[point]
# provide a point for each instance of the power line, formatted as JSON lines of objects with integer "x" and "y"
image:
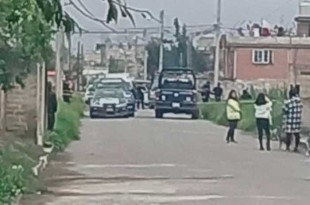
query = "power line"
{"x": 142, "y": 29}
{"x": 277, "y": 9}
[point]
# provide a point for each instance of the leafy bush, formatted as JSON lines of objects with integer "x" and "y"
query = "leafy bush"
{"x": 16, "y": 175}
{"x": 67, "y": 123}
{"x": 216, "y": 112}
{"x": 277, "y": 94}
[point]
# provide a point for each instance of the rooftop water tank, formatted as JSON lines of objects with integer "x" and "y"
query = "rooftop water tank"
{"x": 304, "y": 8}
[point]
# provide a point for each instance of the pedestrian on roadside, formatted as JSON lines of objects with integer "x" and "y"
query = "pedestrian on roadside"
{"x": 292, "y": 111}
{"x": 218, "y": 92}
{"x": 206, "y": 91}
{"x": 263, "y": 108}
{"x": 66, "y": 92}
{"x": 290, "y": 93}
{"x": 245, "y": 95}
{"x": 297, "y": 87}
{"x": 51, "y": 107}
{"x": 141, "y": 90}
{"x": 233, "y": 113}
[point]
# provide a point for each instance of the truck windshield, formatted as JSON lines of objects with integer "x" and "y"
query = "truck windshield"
{"x": 155, "y": 82}
{"x": 177, "y": 80}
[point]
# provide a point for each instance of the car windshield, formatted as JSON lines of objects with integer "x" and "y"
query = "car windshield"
{"x": 177, "y": 80}
{"x": 123, "y": 86}
{"x": 109, "y": 94}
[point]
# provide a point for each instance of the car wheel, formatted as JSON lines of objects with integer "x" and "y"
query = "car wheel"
{"x": 132, "y": 114}
{"x": 158, "y": 114}
{"x": 195, "y": 115}
{"x": 92, "y": 116}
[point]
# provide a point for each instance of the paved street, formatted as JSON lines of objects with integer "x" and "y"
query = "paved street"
{"x": 172, "y": 161}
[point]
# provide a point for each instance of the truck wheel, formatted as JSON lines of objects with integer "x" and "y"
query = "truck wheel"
{"x": 158, "y": 114}
{"x": 132, "y": 114}
{"x": 195, "y": 115}
{"x": 92, "y": 116}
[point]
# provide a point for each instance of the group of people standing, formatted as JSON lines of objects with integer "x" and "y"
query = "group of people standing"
{"x": 217, "y": 91}
{"x": 292, "y": 117}
{"x": 138, "y": 93}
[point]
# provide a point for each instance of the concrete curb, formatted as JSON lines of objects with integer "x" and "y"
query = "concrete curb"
{"x": 36, "y": 170}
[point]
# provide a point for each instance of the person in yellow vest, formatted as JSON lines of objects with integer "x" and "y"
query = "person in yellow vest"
{"x": 233, "y": 113}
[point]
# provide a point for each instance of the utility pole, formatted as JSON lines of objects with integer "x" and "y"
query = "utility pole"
{"x": 59, "y": 44}
{"x": 217, "y": 42}
{"x": 181, "y": 60}
{"x": 39, "y": 138}
{"x": 126, "y": 61}
{"x": 43, "y": 103}
{"x": 81, "y": 68}
{"x": 78, "y": 65}
{"x": 161, "y": 49}
{"x": 146, "y": 55}
{"x": 69, "y": 51}
{"x": 189, "y": 51}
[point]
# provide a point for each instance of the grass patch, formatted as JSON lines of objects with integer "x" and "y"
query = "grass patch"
{"x": 16, "y": 161}
{"x": 67, "y": 125}
{"x": 18, "y": 156}
{"x": 216, "y": 112}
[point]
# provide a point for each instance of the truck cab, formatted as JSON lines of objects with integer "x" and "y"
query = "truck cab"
{"x": 177, "y": 93}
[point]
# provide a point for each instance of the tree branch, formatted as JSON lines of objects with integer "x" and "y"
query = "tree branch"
{"x": 103, "y": 22}
{"x": 141, "y": 11}
{"x": 85, "y": 8}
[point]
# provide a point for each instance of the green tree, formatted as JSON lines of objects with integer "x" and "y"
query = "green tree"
{"x": 27, "y": 28}
{"x": 178, "y": 49}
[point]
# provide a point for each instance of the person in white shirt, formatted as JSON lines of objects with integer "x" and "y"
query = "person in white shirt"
{"x": 263, "y": 108}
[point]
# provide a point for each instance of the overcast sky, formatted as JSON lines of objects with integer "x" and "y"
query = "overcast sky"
{"x": 193, "y": 12}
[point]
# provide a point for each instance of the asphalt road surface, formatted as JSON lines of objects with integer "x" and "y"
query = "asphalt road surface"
{"x": 172, "y": 161}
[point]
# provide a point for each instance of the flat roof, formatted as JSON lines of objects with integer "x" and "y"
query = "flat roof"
{"x": 267, "y": 42}
{"x": 305, "y": 19}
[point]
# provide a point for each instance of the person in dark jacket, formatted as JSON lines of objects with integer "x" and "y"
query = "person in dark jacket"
{"x": 206, "y": 91}
{"x": 245, "y": 95}
{"x": 66, "y": 92}
{"x": 290, "y": 94}
{"x": 297, "y": 88}
{"x": 218, "y": 92}
{"x": 140, "y": 92}
{"x": 51, "y": 107}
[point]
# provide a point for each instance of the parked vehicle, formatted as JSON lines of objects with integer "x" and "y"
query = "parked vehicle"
{"x": 109, "y": 103}
{"x": 89, "y": 94}
{"x": 126, "y": 87}
{"x": 152, "y": 91}
{"x": 177, "y": 93}
{"x": 113, "y": 83}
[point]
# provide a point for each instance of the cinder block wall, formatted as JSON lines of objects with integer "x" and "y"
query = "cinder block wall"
{"x": 21, "y": 108}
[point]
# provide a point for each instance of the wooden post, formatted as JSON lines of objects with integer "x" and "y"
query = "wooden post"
{"x": 38, "y": 115}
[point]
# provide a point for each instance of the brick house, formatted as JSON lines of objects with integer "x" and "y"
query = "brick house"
{"x": 285, "y": 59}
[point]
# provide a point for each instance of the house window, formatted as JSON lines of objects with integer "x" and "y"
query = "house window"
{"x": 262, "y": 57}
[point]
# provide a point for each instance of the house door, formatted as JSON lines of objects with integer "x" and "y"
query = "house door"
{"x": 304, "y": 81}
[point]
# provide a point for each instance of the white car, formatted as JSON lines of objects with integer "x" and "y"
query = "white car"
{"x": 109, "y": 103}
{"x": 89, "y": 94}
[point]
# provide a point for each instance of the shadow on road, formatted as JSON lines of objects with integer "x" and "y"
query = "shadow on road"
{"x": 57, "y": 175}
{"x": 164, "y": 118}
